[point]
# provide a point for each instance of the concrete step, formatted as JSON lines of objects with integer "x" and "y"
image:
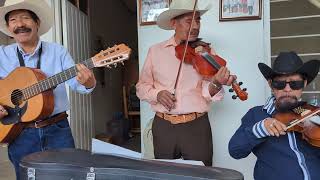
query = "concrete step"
{"x": 6, "y": 168}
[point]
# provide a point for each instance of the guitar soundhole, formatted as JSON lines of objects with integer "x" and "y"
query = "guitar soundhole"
{"x": 16, "y": 97}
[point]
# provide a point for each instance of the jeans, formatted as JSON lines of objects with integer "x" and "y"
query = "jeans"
{"x": 32, "y": 140}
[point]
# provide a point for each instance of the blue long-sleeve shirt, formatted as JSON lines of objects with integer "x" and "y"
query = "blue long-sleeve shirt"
{"x": 287, "y": 157}
{"x": 54, "y": 59}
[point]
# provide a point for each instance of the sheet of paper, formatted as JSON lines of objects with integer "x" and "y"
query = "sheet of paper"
{"x": 101, "y": 147}
{"x": 182, "y": 161}
{"x": 315, "y": 119}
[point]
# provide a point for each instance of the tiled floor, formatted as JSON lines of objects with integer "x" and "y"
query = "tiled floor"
{"x": 6, "y": 169}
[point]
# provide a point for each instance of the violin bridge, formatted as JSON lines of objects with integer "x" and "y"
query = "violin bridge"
{"x": 301, "y": 111}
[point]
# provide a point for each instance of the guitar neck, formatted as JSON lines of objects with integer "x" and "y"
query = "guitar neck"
{"x": 54, "y": 80}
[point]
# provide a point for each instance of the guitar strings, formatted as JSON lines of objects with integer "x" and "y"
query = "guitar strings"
{"x": 16, "y": 94}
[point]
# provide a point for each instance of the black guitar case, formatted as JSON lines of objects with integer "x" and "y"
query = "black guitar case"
{"x": 73, "y": 164}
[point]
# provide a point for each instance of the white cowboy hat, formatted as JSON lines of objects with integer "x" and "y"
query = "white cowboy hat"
{"x": 39, "y": 7}
{"x": 177, "y": 8}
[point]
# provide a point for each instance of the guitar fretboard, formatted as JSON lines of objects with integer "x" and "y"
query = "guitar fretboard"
{"x": 54, "y": 80}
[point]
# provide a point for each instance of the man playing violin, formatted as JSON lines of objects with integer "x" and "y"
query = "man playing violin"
{"x": 181, "y": 127}
{"x": 281, "y": 154}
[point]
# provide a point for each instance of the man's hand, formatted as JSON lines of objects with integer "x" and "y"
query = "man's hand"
{"x": 223, "y": 77}
{"x": 85, "y": 76}
{"x": 165, "y": 98}
{"x": 274, "y": 127}
{"x": 3, "y": 112}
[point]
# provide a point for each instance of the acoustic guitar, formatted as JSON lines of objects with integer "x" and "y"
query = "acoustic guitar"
{"x": 27, "y": 94}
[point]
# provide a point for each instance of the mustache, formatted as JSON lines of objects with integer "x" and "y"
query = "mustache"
{"x": 291, "y": 97}
{"x": 22, "y": 30}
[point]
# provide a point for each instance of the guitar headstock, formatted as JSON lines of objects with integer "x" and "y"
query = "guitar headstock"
{"x": 111, "y": 56}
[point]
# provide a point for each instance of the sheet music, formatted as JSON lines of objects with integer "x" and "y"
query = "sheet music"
{"x": 101, "y": 147}
{"x": 315, "y": 119}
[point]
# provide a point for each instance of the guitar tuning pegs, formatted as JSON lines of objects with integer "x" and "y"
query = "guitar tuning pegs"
{"x": 244, "y": 89}
{"x": 231, "y": 90}
{"x": 122, "y": 63}
{"x": 234, "y": 97}
{"x": 115, "y": 65}
{"x": 240, "y": 83}
{"x": 108, "y": 66}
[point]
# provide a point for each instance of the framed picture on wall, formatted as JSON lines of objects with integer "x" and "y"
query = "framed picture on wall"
{"x": 233, "y": 10}
{"x": 150, "y": 10}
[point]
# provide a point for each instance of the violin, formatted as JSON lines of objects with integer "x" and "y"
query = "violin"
{"x": 206, "y": 64}
{"x": 298, "y": 120}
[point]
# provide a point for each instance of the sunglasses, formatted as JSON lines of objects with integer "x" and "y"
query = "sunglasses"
{"x": 294, "y": 85}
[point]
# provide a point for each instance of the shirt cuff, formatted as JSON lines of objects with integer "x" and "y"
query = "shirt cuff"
{"x": 154, "y": 94}
{"x": 206, "y": 94}
{"x": 259, "y": 130}
{"x": 83, "y": 89}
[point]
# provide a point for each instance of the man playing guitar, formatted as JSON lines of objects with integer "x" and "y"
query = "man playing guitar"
{"x": 25, "y": 21}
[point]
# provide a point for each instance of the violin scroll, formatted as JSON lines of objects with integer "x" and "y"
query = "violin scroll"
{"x": 240, "y": 93}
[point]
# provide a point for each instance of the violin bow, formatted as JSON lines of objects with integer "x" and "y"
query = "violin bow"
{"x": 304, "y": 117}
{"x": 185, "y": 47}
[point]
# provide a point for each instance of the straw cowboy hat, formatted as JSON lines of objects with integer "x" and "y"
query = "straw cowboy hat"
{"x": 290, "y": 63}
{"x": 177, "y": 8}
{"x": 39, "y": 7}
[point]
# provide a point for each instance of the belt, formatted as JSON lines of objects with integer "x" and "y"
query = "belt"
{"x": 46, "y": 122}
{"x": 179, "y": 118}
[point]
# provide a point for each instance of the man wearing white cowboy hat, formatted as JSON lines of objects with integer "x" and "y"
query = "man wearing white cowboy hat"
{"x": 25, "y": 21}
{"x": 181, "y": 127}
{"x": 280, "y": 154}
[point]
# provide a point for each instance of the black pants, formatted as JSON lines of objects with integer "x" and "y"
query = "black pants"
{"x": 191, "y": 140}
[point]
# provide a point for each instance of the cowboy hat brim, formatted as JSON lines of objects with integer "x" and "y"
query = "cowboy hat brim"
{"x": 165, "y": 17}
{"x": 39, "y": 7}
{"x": 309, "y": 69}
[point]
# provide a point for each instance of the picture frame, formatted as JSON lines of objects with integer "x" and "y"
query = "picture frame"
{"x": 150, "y": 10}
{"x": 234, "y": 10}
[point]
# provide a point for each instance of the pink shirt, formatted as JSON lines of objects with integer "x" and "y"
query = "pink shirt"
{"x": 159, "y": 73}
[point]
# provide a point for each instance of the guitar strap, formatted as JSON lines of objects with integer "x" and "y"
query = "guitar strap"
{"x": 21, "y": 61}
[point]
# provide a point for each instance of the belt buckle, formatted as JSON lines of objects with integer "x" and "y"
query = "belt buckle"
{"x": 36, "y": 124}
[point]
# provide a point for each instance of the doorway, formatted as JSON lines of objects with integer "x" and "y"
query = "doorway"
{"x": 116, "y": 107}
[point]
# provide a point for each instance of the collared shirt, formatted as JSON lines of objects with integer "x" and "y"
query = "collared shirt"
{"x": 159, "y": 73}
{"x": 286, "y": 157}
{"x": 54, "y": 59}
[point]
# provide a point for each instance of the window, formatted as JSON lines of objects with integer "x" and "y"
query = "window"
{"x": 81, "y": 4}
{"x": 295, "y": 27}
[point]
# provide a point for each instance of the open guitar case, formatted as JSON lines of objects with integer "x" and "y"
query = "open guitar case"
{"x": 74, "y": 164}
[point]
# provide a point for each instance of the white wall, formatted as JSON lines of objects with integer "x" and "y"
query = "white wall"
{"x": 243, "y": 44}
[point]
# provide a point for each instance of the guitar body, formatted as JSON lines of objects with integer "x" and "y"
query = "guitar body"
{"x": 35, "y": 108}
